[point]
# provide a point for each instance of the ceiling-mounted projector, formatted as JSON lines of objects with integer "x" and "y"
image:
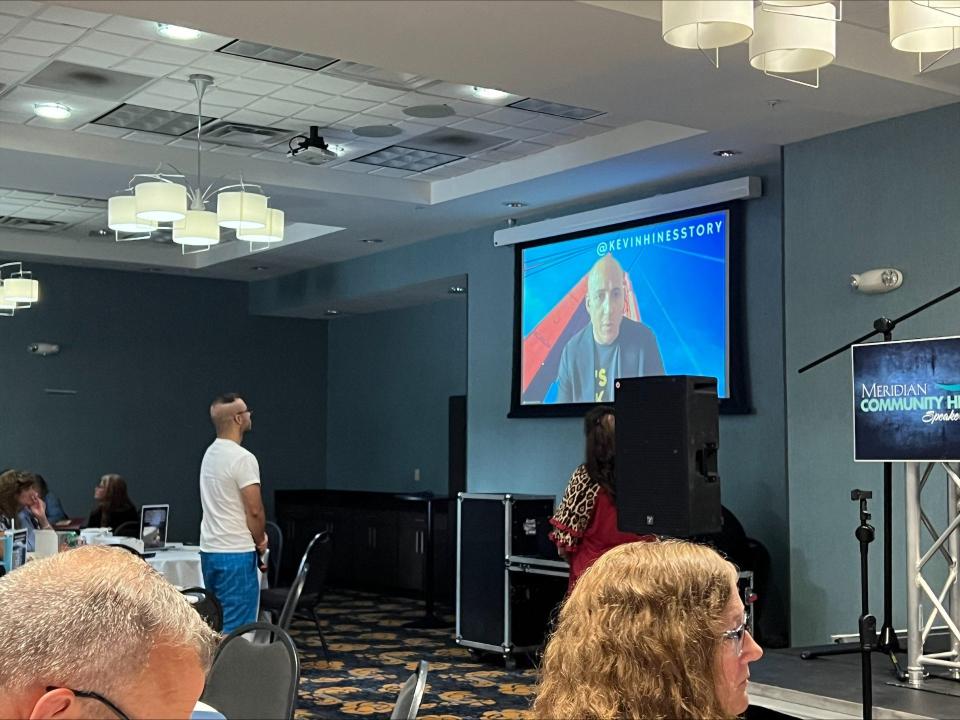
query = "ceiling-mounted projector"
{"x": 311, "y": 148}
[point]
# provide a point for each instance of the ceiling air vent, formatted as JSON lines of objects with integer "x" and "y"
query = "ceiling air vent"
{"x": 398, "y": 157}
{"x": 377, "y": 76}
{"x": 148, "y": 119}
{"x": 18, "y": 223}
{"x": 278, "y": 55}
{"x": 87, "y": 80}
{"x": 244, "y": 135}
{"x": 455, "y": 142}
{"x": 545, "y": 107}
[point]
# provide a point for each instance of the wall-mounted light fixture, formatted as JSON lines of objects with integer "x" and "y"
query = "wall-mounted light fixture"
{"x": 881, "y": 280}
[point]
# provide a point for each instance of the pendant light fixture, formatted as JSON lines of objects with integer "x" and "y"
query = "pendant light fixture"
{"x": 794, "y": 36}
{"x": 925, "y": 26}
{"x": 167, "y": 200}
{"x": 706, "y": 24}
{"x": 18, "y": 288}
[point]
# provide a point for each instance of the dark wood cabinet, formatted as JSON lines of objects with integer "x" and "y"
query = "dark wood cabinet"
{"x": 380, "y": 540}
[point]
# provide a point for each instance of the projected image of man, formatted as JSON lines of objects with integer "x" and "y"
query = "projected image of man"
{"x": 611, "y": 346}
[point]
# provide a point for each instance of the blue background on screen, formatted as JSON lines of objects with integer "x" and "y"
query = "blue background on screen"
{"x": 680, "y": 285}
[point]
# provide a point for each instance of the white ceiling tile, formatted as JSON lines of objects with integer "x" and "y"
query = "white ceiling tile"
{"x": 24, "y": 63}
{"x": 14, "y": 117}
{"x": 468, "y": 109}
{"x": 50, "y": 32}
{"x": 225, "y": 64}
{"x": 326, "y": 83}
{"x": 21, "y": 100}
{"x": 276, "y": 107}
{"x": 21, "y": 7}
{"x": 252, "y": 87}
{"x": 374, "y": 93}
{"x": 209, "y": 109}
{"x": 160, "y": 102}
{"x": 301, "y": 95}
{"x": 393, "y": 172}
{"x": 219, "y": 96}
{"x": 104, "y": 130}
{"x": 362, "y": 119}
{"x": 149, "y": 138}
{"x": 118, "y": 44}
{"x": 271, "y": 72}
{"x": 554, "y": 139}
{"x": 9, "y": 77}
{"x": 498, "y": 156}
{"x": 355, "y": 167}
{"x": 170, "y": 54}
{"x": 277, "y": 157}
{"x": 8, "y": 23}
{"x": 506, "y": 116}
{"x": 321, "y": 116}
{"x": 231, "y": 150}
{"x": 30, "y": 47}
{"x": 36, "y": 213}
{"x": 469, "y": 165}
{"x": 478, "y": 126}
{"x": 394, "y": 113}
{"x": 85, "y": 56}
{"x": 518, "y": 133}
{"x": 548, "y": 123}
{"x": 349, "y": 104}
{"x": 173, "y": 88}
{"x": 145, "y": 67}
{"x": 207, "y": 42}
{"x": 585, "y": 129}
{"x": 527, "y": 148}
{"x": 68, "y": 15}
{"x": 71, "y": 123}
{"x": 255, "y": 118}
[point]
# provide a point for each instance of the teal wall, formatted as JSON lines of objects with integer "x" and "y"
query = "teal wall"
{"x": 883, "y": 195}
{"x": 538, "y": 455}
{"x": 146, "y": 354}
{"x": 390, "y": 376}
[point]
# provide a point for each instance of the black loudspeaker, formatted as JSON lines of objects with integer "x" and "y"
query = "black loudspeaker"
{"x": 668, "y": 431}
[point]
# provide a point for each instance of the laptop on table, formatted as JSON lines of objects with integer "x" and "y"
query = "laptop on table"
{"x": 153, "y": 526}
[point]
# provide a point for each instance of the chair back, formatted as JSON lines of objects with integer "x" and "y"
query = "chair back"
{"x": 130, "y": 528}
{"x": 408, "y": 701}
{"x": 250, "y": 680}
{"x": 311, "y": 574}
{"x": 275, "y": 541}
{"x": 206, "y": 603}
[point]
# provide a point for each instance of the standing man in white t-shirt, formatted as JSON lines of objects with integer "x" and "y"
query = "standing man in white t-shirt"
{"x": 233, "y": 529}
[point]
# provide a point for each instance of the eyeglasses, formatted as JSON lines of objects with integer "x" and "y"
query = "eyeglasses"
{"x": 737, "y": 634}
{"x": 95, "y": 696}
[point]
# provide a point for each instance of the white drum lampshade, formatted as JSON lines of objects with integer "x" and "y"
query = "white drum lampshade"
{"x": 161, "y": 201}
{"x": 122, "y": 216}
{"x": 198, "y": 228}
{"x": 795, "y": 42}
{"x": 20, "y": 290}
{"x": 918, "y": 28}
{"x": 241, "y": 210}
{"x": 272, "y": 232}
{"x": 706, "y": 24}
{"x": 6, "y": 306}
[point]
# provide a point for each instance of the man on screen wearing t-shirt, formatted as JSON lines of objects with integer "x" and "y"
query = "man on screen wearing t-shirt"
{"x": 233, "y": 530}
{"x": 610, "y": 347}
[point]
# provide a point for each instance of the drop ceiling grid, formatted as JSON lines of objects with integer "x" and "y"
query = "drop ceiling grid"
{"x": 251, "y": 91}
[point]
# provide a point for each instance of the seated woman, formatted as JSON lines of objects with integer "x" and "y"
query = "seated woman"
{"x": 114, "y": 506}
{"x": 55, "y": 512}
{"x": 21, "y": 505}
{"x": 652, "y": 630}
{"x": 585, "y": 522}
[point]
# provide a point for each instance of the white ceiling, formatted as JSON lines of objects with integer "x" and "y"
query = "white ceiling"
{"x": 665, "y": 111}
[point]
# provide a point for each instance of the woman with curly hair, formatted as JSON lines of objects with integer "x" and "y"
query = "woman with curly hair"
{"x": 653, "y": 630}
{"x": 585, "y": 521}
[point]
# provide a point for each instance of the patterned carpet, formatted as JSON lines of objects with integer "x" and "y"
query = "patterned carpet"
{"x": 371, "y": 655}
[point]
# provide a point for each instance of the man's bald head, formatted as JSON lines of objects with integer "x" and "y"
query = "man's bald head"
{"x": 604, "y": 300}
{"x": 230, "y": 414}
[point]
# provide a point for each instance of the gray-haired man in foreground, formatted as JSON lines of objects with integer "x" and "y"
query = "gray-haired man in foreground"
{"x": 97, "y": 633}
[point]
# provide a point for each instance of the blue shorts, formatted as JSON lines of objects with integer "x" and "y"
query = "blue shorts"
{"x": 233, "y": 578}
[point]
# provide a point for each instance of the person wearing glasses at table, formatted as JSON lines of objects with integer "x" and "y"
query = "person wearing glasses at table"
{"x": 651, "y": 630}
{"x": 97, "y": 633}
{"x": 233, "y": 527}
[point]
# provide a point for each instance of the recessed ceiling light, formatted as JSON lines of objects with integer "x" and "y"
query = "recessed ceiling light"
{"x": 726, "y": 153}
{"x": 52, "y": 110}
{"x": 377, "y": 131}
{"x": 515, "y": 204}
{"x": 489, "y": 93}
{"x": 331, "y": 312}
{"x": 175, "y": 32}
{"x": 456, "y": 290}
{"x": 429, "y": 111}
{"x": 102, "y": 232}
{"x": 259, "y": 268}
{"x": 374, "y": 241}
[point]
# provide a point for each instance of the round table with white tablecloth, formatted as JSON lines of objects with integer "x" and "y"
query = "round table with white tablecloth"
{"x": 181, "y": 566}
